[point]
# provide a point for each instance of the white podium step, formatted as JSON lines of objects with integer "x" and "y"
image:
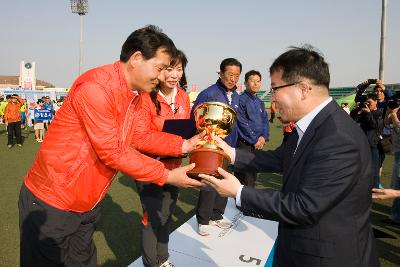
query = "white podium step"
{"x": 247, "y": 243}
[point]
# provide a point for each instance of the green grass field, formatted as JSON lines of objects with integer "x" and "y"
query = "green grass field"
{"x": 117, "y": 238}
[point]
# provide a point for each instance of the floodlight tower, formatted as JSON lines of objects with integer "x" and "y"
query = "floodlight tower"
{"x": 383, "y": 39}
{"x": 80, "y": 7}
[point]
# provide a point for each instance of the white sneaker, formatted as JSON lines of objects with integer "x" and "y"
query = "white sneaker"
{"x": 221, "y": 224}
{"x": 204, "y": 229}
{"x": 167, "y": 263}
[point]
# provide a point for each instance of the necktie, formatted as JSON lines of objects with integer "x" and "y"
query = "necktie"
{"x": 292, "y": 142}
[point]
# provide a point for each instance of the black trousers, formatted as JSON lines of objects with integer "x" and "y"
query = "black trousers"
{"x": 210, "y": 206}
{"x": 52, "y": 237}
{"x": 246, "y": 178}
{"x": 158, "y": 203}
{"x": 272, "y": 117}
{"x": 14, "y": 128}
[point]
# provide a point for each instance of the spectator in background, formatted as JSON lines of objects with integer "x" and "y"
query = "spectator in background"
{"x": 12, "y": 118}
{"x": 3, "y": 107}
{"x": 371, "y": 122}
{"x": 383, "y": 96}
{"x": 211, "y": 206}
{"x": 38, "y": 125}
{"x": 273, "y": 111}
{"x": 252, "y": 122}
{"x": 3, "y": 104}
{"x": 57, "y": 106}
{"x": 54, "y": 104}
{"x": 23, "y": 112}
{"x": 31, "y": 113}
{"x": 49, "y": 106}
{"x": 392, "y": 117}
{"x": 287, "y": 128}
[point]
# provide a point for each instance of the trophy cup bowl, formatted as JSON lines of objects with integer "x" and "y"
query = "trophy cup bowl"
{"x": 215, "y": 118}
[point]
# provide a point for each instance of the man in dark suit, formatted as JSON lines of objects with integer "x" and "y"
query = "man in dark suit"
{"x": 324, "y": 205}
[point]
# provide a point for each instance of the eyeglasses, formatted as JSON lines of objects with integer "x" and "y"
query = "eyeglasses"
{"x": 276, "y": 88}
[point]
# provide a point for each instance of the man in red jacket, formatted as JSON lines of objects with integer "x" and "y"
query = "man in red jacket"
{"x": 88, "y": 142}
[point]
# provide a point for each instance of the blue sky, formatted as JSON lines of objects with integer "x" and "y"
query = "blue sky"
{"x": 255, "y": 32}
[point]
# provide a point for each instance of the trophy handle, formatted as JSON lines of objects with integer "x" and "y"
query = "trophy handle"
{"x": 228, "y": 118}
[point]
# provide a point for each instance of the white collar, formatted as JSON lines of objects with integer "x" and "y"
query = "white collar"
{"x": 302, "y": 124}
{"x": 174, "y": 92}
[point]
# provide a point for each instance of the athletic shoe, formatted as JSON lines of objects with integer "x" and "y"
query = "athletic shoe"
{"x": 167, "y": 263}
{"x": 221, "y": 224}
{"x": 20, "y": 145}
{"x": 204, "y": 229}
{"x": 9, "y": 146}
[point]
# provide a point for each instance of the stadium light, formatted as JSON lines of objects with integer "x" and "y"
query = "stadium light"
{"x": 383, "y": 39}
{"x": 80, "y": 7}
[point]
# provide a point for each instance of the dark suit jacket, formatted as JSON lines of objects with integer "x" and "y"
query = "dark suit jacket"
{"x": 324, "y": 205}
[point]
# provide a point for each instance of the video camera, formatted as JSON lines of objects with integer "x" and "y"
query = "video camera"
{"x": 361, "y": 95}
{"x": 364, "y": 103}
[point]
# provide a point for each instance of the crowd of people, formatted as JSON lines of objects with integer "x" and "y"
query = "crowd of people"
{"x": 377, "y": 113}
{"x": 17, "y": 114}
{"x": 115, "y": 116}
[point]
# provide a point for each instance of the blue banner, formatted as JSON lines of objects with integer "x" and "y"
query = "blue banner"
{"x": 42, "y": 115}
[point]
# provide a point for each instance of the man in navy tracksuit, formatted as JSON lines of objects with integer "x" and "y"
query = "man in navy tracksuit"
{"x": 252, "y": 122}
{"x": 210, "y": 206}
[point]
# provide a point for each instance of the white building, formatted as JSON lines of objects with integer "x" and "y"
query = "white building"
{"x": 27, "y": 75}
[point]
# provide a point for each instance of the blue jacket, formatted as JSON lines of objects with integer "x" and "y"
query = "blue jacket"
{"x": 217, "y": 92}
{"x": 252, "y": 118}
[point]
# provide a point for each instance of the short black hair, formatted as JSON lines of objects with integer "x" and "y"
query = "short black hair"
{"x": 8, "y": 96}
{"x": 251, "y": 73}
{"x": 302, "y": 62}
{"x": 40, "y": 101}
{"x": 229, "y": 62}
{"x": 372, "y": 96}
{"x": 147, "y": 40}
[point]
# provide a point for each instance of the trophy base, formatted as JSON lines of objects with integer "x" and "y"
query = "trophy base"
{"x": 207, "y": 162}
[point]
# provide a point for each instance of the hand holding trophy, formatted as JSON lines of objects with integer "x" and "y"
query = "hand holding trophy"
{"x": 215, "y": 118}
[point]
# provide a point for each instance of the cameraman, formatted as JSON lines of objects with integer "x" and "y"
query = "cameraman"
{"x": 371, "y": 122}
{"x": 379, "y": 89}
{"x": 383, "y": 96}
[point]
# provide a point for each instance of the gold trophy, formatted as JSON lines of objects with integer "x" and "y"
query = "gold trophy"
{"x": 215, "y": 118}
